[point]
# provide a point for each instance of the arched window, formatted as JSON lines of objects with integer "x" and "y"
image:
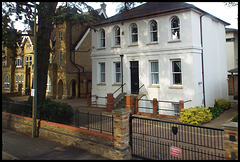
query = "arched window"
{"x": 134, "y": 33}
{"x": 60, "y": 58}
{"x": 175, "y": 28}
{"x": 117, "y": 39}
{"x": 102, "y": 38}
{"x": 153, "y": 31}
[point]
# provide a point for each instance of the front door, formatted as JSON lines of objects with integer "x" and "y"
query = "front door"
{"x": 134, "y": 77}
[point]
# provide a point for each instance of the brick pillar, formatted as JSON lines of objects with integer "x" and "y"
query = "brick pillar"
{"x": 231, "y": 140}
{"x": 181, "y": 106}
{"x": 135, "y": 105}
{"x": 121, "y": 134}
{"x": 155, "y": 106}
{"x": 88, "y": 99}
{"x": 110, "y": 104}
{"x": 129, "y": 103}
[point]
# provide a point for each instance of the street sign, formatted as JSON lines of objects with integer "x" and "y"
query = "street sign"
{"x": 175, "y": 151}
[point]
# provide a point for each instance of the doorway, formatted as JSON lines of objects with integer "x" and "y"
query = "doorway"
{"x": 134, "y": 77}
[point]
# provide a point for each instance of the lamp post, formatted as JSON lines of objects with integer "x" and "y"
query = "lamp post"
{"x": 34, "y": 108}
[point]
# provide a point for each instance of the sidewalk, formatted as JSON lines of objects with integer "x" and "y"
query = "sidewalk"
{"x": 19, "y": 146}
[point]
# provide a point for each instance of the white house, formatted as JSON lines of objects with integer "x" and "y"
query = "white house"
{"x": 173, "y": 51}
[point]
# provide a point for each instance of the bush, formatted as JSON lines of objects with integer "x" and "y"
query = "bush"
{"x": 235, "y": 119}
{"x": 222, "y": 103}
{"x": 55, "y": 112}
{"x": 216, "y": 111}
{"x": 195, "y": 115}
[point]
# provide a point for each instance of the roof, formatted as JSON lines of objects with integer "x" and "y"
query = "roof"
{"x": 231, "y": 30}
{"x": 153, "y": 8}
{"x": 233, "y": 70}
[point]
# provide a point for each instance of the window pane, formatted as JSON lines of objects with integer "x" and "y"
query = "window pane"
{"x": 153, "y": 36}
{"x": 153, "y": 26}
{"x": 154, "y": 66}
{"x": 177, "y": 78}
{"x": 175, "y": 22}
{"x": 102, "y": 77}
{"x": 102, "y": 67}
{"x": 176, "y": 66}
{"x": 155, "y": 78}
{"x": 118, "y": 77}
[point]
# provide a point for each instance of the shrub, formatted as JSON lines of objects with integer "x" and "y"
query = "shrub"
{"x": 216, "y": 111}
{"x": 195, "y": 115}
{"x": 235, "y": 119}
{"x": 55, "y": 112}
{"x": 222, "y": 103}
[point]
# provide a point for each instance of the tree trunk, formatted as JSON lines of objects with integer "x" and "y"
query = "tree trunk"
{"x": 45, "y": 9}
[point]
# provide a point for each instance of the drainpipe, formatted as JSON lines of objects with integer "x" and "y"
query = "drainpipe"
{"x": 204, "y": 102}
{"x": 122, "y": 70}
{"x": 74, "y": 62}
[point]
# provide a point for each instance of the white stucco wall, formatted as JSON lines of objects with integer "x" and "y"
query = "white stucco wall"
{"x": 188, "y": 50}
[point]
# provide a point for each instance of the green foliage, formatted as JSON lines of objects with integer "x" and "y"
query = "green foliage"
{"x": 222, "y": 103}
{"x": 55, "y": 111}
{"x": 216, "y": 111}
{"x": 235, "y": 119}
{"x": 195, "y": 115}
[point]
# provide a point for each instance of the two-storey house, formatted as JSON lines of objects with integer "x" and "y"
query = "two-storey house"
{"x": 164, "y": 50}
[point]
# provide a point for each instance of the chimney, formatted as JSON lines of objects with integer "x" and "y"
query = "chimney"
{"x": 103, "y": 6}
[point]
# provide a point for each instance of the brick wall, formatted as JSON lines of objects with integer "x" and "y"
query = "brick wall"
{"x": 95, "y": 142}
{"x": 231, "y": 140}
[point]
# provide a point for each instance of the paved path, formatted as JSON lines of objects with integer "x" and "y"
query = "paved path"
{"x": 226, "y": 116}
{"x": 19, "y": 146}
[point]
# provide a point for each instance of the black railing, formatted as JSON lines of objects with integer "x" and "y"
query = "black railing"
{"x": 152, "y": 139}
{"x": 99, "y": 122}
{"x": 119, "y": 88}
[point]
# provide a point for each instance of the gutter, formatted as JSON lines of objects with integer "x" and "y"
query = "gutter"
{"x": 203, "y": 85}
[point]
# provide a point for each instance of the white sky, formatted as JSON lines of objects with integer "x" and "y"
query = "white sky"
{"x": 217, "y": 9}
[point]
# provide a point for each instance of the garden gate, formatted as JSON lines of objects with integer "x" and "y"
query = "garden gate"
{"x": 163, "y": 140}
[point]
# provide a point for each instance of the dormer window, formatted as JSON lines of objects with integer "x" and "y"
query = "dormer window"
{"x": 175, "y": 28}
{"x": 134, "y": 33}
{"x": 102, "y": 38}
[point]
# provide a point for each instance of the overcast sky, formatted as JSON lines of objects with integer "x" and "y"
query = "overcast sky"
{"x": 217, "y": 9}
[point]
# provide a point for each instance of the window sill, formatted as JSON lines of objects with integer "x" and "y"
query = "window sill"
{"x": 117, "y": 46}
{"x": 154, "y": 86}
{"x": 18, "y": 66}
{"x": 116, "y": 84}
{"x": 101, "y": 48}
{"x": 152, "y": 43}
{"x": 133, "y": 45}
{"x": 101, "y": 84}
{"x": 176, "y": 87}
{"x": 174, "y": 41}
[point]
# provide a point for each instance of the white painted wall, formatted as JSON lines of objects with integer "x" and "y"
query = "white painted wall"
{"x": 188, "y": 49}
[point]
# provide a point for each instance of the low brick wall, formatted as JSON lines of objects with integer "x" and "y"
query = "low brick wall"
{"x": 95, "y": 142}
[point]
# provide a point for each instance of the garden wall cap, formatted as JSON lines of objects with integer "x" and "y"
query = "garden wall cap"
{"x": 230, "y": 124}
{"x": 121, "y": 111}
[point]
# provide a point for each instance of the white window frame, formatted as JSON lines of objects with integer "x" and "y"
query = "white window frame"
{"x": 133, "y": 34}
{"x": 6, "y": 82}
{"x": 102, "y": 73}
{"x": 116, "y": 36}
{"x": 117, "y": 72}
{"x": 154, "y": 73}
{"x": 28, "y": 61}
{"x": 102, "y": 38}
{"x": 151, "y": 32}
{"x": 18, "y": 62}
{"x": 175, "y": 28}
{"x": 174, "y": 73}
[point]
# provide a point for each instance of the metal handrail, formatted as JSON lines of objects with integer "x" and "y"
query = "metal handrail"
{"x": 119, "y": 88}
{"x": 140, "y": 87}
